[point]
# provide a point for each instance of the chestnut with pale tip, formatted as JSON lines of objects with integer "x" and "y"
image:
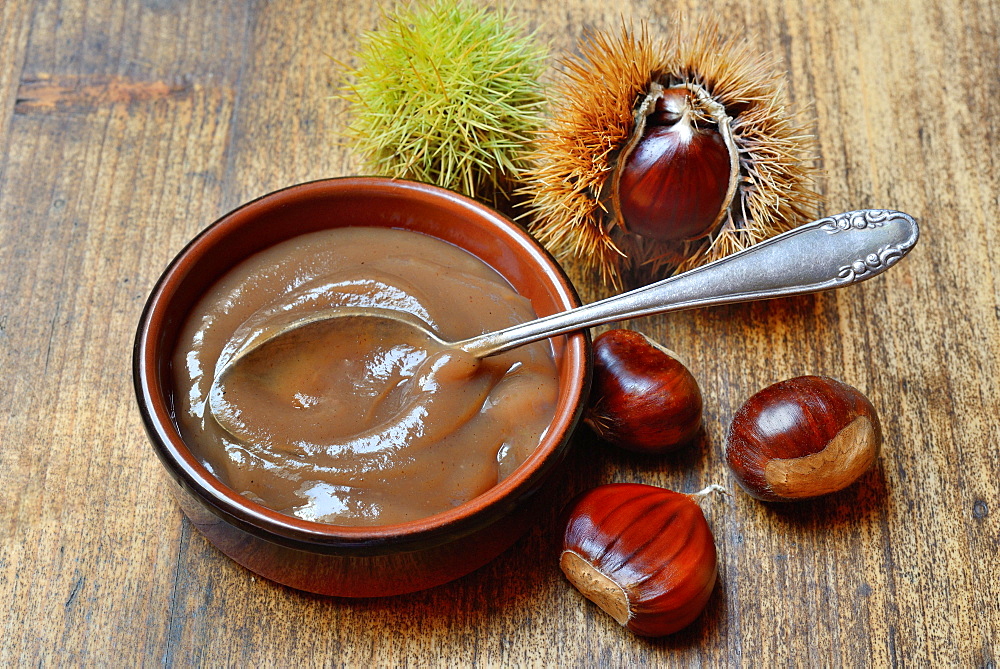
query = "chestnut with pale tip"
{"x": 802, "y": 438}
{"x": 643, "y": 554}
{"x": 642, "y": 397}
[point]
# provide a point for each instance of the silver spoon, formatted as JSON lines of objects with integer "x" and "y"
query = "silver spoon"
{"x": 827, "y": 253}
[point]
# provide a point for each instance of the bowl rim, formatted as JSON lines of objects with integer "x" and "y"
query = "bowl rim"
{"x": 274, "y": 526}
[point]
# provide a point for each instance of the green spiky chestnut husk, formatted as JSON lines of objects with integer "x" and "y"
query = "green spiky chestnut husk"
{"x": 447, "y": 93}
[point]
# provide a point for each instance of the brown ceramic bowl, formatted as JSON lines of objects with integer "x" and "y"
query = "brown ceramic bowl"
{"x": 331, "y": 559}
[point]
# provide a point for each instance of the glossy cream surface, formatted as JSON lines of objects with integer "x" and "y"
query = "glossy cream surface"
{"x": 350, "y": 423}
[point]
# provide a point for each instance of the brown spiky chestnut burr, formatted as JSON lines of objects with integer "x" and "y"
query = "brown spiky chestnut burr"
{"x": 644, "y": 554}
{"x": 802, "y": 438}
{"x": 664, "y": 154}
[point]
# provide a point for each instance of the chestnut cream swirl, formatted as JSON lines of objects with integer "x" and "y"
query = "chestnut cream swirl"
{"x": 337, "y": 423}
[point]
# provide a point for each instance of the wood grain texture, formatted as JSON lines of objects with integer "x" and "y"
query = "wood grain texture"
{"x": 127, "y": 126}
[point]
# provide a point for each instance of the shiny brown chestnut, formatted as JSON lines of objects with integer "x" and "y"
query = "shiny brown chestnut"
{"x": 642, "y": 397}
{"x": 677, "y": 177}
{"x": 802, "y": 438}
{"x": 643, "y": 554}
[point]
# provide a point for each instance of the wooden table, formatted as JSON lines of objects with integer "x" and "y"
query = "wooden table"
{"x": 126, "y": 127}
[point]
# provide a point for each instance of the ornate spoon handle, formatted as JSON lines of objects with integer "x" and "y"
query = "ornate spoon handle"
{"x": 824, "y": 254}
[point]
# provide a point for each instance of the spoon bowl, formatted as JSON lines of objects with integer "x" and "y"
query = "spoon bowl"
{"x": 371, "y": 323}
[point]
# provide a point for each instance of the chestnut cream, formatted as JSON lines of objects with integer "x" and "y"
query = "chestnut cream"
{"x": 346, "y": 427}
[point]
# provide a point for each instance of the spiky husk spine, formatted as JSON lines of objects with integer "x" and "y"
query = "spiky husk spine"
{"x": 448, "y": 93}
{"x": 592, "y": 119}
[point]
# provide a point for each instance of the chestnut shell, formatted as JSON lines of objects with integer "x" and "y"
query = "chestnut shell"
{"x": 804, "y": 437}
{"x": 652, "y": 549}
{"x": 642, "y": 398}
{"x": 677, "y": 181}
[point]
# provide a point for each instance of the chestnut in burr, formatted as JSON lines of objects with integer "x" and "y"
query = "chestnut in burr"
{"x": 678, "y": 176}
{"x": 666, "y": 150}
